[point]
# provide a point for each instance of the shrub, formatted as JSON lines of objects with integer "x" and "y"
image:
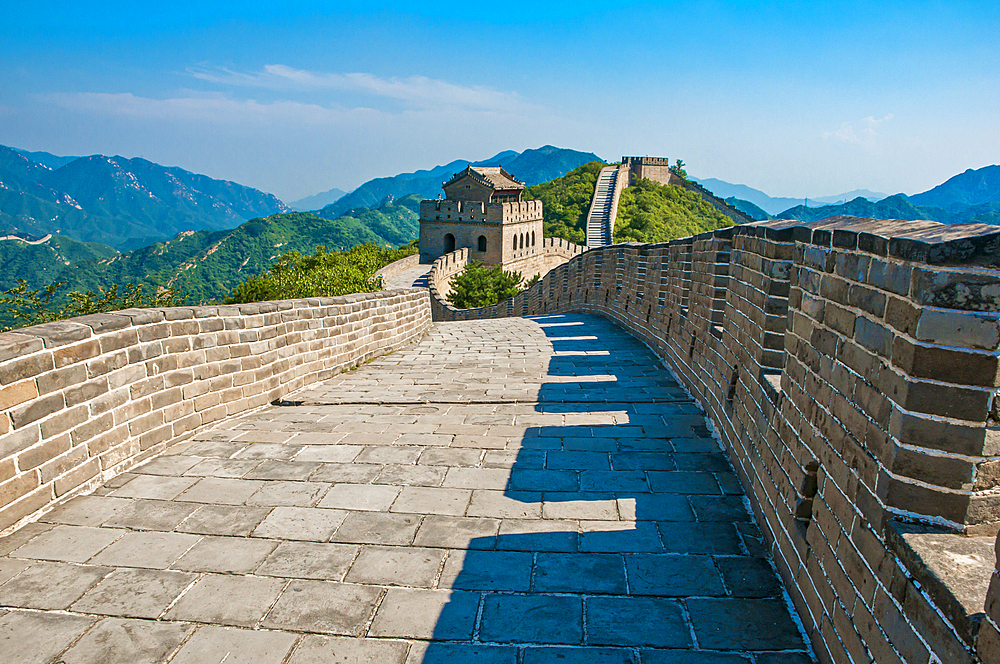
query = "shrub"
{"x": 480, "y": 286}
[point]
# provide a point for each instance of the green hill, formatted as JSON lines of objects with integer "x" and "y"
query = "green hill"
{"x": 566, "y": 200}
{"x": 647, "y": 211}
{"x": 748, "y": 208}
{"x": 203, "y": 265}
{"x": 653, "y": 212}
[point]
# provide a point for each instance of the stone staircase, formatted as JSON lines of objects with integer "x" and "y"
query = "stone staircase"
{"x": 604, "y": 206}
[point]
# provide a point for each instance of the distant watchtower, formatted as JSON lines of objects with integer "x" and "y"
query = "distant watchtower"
{"x": 656, "y": 169}
{"x": 483, "y": 211}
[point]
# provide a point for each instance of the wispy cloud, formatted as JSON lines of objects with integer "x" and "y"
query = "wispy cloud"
{"x": 211, "y": 109}
{"x": 417, "y": 90}
{"x": 864, "y": 136}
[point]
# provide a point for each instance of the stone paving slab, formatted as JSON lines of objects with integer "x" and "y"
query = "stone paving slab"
{"x": 524, "y": 491}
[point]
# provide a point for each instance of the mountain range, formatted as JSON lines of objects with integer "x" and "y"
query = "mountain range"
{"x": 317, "y": 201}
{"x": 774, "y": 204}
{"x": 124, "y": 203}
{"x": 531, "y": 167}
{"x": 204, "y": 265}
{"x": 972, "y": 197}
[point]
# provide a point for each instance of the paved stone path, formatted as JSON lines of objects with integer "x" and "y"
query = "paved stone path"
{"x": 415, "y": 277}
{"x": 509, "y": 491}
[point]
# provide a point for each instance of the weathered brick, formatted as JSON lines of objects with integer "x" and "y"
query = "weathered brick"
{"x": 945, "y": 364}
{"x": 79, "y": 475}
{"x": 957, "y": 328}
{"x": 17, "y": 393}
{"x": 25, "y": 505}
{"x": 58, "y": 333}
{"x": 86, "y": 392}
{"x": 951, "y": 472}
{"x": 61, "y": 465}
{"x": 76, "y": 353}
{"x": 22, "y": 368}
{"x": 36, "y": 409}
{"x": 873, "y": 336}
{"x": 937, "y": 434}
{"x": 17, "y": 487}
{"x": 64, "y": 421}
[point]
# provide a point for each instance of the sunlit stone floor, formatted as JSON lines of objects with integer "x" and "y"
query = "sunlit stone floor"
{"x": 522, "y": 491}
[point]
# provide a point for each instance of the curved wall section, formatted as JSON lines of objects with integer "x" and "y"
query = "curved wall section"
{"x": 87, "y": 398}
{"x": 554, "y": 253}
{"x": 851, "y": 368}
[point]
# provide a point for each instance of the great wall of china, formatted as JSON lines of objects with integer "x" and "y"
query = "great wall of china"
{"x": 849, "y": 367}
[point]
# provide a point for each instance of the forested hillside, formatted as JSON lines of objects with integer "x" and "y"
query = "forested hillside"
{"x": 203, "y": 266}
{"x": 566, "y": 200}
{"x": 647, "y": 211}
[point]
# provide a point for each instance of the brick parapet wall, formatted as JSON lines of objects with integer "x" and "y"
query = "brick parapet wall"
{"x": 84, "y": 399}
{"x": 397, "y": 267}
{"x": 849, "y": 367}
{"x": 554, "y": 253}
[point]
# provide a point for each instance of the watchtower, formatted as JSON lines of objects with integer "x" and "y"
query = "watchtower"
{"x": 656, "y": 169}
{"x": 483, "y": 211}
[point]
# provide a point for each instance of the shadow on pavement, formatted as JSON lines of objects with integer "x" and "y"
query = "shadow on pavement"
{"x": 625, "y": 535}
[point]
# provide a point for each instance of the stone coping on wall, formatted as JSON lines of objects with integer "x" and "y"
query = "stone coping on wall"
{"x": 396, "y": 267}
{"x": 84, "y": 399}
{"x": 955, "y": 570}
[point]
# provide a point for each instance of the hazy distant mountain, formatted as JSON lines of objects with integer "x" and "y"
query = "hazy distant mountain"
{"x": 748, "y": 208}
{"x": 873, "y": 196}
{"x": 47, "y": 159}
{"x": 120, "y": 202}
{"x": 899, "y": 207}
{"x": 774, "y": 205}
{"x": 893, "y": 207}
{"x": 973, "y": 187}
{"x": 531, "y": 167}
{"x": 317, "y": 201}
{"x": 972, "y": 197}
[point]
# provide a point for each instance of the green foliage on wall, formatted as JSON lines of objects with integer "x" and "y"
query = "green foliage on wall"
{"x": 25, "y": 306}
{"x": 653, "y": 212}
{"x": 325, "y": 273}
{"x": 479, "y": 286}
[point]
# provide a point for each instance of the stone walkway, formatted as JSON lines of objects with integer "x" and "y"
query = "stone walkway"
{"x": 415, "y": 277}
{"x": 508, "y": 491}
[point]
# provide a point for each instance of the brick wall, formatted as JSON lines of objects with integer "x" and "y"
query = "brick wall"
{"x": 849, "y": 366}
{"x": 397, "y": 267}
{"x": 84, "y": 399}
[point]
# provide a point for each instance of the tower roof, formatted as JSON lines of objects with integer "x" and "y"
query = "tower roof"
{"x": 491, "y": 176}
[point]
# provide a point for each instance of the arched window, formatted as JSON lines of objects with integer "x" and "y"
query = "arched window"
{"x": 522, "y": 240}
{"x": 482, "y": 243}
{"x": 532, "y": 238}
{"x": 515, "y": 243}
{"x": 449, "y": 243}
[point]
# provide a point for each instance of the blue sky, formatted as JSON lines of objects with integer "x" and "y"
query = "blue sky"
{"x": 794, "y": 98}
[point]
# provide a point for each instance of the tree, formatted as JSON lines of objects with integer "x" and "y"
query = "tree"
{"x": 678, "y": 170}
{"x": 480, "y": 286}
{"x": 31, "y": 307}
{"x": 325, "y": 273}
